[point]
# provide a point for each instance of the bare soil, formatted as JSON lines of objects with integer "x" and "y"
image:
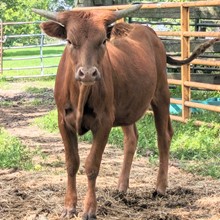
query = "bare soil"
{"x": 38, "y": 194}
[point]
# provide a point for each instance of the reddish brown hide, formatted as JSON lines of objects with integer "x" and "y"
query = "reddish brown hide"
{"x": 108, "y": 76}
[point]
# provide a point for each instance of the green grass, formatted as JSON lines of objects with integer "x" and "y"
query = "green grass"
{"x": 40, "y": 88}
{"x": 21, "y": 53}
{"x": 48, "y": 122}
{"x": 197, "y": 148}
{"x": 13, "y": 154}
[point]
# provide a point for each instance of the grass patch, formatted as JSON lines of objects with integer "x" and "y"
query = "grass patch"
{"x": 36, "y": 90}
{"x": 194, "y": 143}
{"x": 204, "y": 167}
{"x": 27, "y": 84}
{"x": 36, "y": 62}
{"x": 6, "y": 103}
{"x": 48, "y": 122}
{"x": 13, "y": 154}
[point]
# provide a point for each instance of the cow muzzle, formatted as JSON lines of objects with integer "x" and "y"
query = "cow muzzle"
{"x": 88, "y": 76}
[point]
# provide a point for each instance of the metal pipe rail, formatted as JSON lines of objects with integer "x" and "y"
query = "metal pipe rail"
{"x": 34, "y": 46}
{"x": 30, "y": 67}
{"x": 32, "y": 58}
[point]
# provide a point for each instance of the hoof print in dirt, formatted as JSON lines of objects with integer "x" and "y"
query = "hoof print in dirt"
{"x": 180, "y": 191}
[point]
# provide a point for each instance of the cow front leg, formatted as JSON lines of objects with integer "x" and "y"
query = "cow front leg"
{"x": 130, "y": 144}
{"x": 72, "y": 165}
{"x": 92, "y": 166}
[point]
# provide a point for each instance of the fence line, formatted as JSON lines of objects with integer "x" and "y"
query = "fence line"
{"x": 41, "y": 57}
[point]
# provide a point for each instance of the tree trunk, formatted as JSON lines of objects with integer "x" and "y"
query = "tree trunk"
{"x": 87, "y": 3}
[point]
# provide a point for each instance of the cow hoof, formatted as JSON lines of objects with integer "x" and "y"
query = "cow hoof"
{"x": 88, "y": 217}
{"x": 67, "y": 214}
{"x": 157, "y": 194}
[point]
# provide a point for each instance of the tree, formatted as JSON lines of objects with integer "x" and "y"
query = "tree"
{"x": 20, "y": 10}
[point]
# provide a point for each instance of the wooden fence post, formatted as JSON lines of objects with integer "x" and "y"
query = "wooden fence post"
{"x": 185, "y": 52}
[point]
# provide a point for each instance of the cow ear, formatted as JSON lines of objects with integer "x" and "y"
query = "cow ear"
{"x": 54, "y": 29}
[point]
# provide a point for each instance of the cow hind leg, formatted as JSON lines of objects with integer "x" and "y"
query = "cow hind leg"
{"x": 130, "y": 144}
{"x": 160, "y": 106}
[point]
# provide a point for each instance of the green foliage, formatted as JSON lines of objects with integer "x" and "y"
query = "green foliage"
{"x": 48, "y": 122}
{"x": 20, "y": 10}
{"x": 13, "y": 154}
{"x": 36, "y": 90}
{"x": 204, "y": 167}
{"x": 191, "y": 142}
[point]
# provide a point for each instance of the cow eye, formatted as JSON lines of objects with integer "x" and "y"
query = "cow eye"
{"x": 68, "y": 41}
{"x": 104, "y": 42}
{"x": 72, "y": 44}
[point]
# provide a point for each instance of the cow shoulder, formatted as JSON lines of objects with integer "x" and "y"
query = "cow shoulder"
{"x": 121, "y": 30}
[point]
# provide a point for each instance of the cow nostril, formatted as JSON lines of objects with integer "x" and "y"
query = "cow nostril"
{"x": 81, "y": 74}
{"x": 95, "y": 74}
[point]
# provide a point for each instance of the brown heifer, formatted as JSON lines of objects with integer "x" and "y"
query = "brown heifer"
{"x": 108, "y": 76}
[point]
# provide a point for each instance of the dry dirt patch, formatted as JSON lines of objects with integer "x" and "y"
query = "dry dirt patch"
{"x": 38, "y": 195}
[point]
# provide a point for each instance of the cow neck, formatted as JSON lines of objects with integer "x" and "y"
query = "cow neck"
{"x": 83, "y": 96}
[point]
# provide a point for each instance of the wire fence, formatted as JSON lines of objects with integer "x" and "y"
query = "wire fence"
{"x": 29, "y": 59}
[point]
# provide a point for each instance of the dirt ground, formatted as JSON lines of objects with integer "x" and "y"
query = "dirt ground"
{"x": 38, "y": 194}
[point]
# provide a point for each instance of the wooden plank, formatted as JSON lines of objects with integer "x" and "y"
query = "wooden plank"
{"x": 173, "y": 45}
{"x": 201, "y": 34}
{"x": 195, "y": 13}
{"x": 175, "y": 81}
{"x": 175, "y": 101}
{"x": 202, "y": 85}
{"x": 202, "y": 106}
{"x": 206, "y": 62}
{"x": 201, "y": 3}
{"x": 211, "y": 79}
{"x": 177, "y": 118}
{"x": 185, "y": 69}
{"x": 188, "y": 34}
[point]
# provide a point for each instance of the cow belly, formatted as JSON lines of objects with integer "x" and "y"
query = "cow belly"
{"x": 132, "y": 103}
{"x": 129, "y": 115}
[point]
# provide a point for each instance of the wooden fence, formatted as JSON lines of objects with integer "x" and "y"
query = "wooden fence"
{"x": 185, "y": 82}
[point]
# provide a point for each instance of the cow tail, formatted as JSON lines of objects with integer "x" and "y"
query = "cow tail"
{"x": 201, "y": 49}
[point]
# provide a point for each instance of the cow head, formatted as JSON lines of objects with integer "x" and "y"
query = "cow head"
{"x": 86, "y": 35}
